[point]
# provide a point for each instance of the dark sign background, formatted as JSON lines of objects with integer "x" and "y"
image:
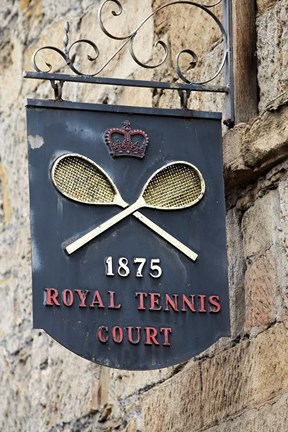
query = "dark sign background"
{"x": 64, "y": 127}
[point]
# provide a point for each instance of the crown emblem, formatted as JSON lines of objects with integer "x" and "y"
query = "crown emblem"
{"x": 126, "y": 141}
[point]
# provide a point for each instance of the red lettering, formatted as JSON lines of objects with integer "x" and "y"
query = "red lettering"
{"x": 112, "y": 301}
{"x": 166, "y": 331}
{"x": 130, "y": 335}
{"x": 102, "y": 339}
{"x": 117, "y": 334}
{"x": 151, "y": 334}
{"x": 134, "y": 335}
{"x": 169, "y": 301}
{"x": 202, "y": 303}
{"x": 50, "y": 297}
{"x": 186, "y": 302}
{"x": 97, "y": 300}
{"x": 142, "y": 295}
{"x": 68, "y": 297}
{"x": 214, "y": 301}
{"x": 154, "y": 302}
{"x": 82, "y": 297}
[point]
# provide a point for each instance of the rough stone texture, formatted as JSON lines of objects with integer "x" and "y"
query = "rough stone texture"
{"x": 282, "y": 258}
{"x": 260, "y": 291}
{"x": 262, "y": 5}
{"x": 259, "y": 225}
{"x": 251, "y": 149}
{"x": 238, "y": 384}
{"x": 236, "y": 271}
{"x": 272, "y": 47}
{"x": 271, "y": 417}
{"x": 266, "y": 253}
{"x": 267, "y": 138}
{"x": 205, "y": 392}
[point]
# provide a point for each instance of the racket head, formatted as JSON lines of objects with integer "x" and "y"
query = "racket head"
{"x": 174, "y": 186}
{"x": 80, "y": 179}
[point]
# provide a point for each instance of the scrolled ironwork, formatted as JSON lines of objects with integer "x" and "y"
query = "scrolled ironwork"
{"x": 129, "y": 40}
{"x": 146, "y": 65}
{"x": 65, "y": 54}
{"x": 115, "y": 14}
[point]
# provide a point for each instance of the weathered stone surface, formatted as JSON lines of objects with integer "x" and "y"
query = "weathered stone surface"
{"x": 272, "y": 417}
{"x": 251, "y": 149}
{"x": 86, "y": 383}
{"x": 272, "y": 61}
{"x": 235, "y": 169}
{"x": 206, "y": 393}
{"x": 262, "y": 5}
{"x": 175, "y": 400}
{"x": 266, "y": 141}
{"x": 260, "y": 291}
{"x": 259, "y": 225}
{"x": 11, "y": 61}
{"x": 282, "y": 256}
{"x": 13, "y": 391}
{"x": 236, "y": 271}
{"x": 125, "y": 383}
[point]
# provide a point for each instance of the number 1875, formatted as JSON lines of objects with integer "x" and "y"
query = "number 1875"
{"x": 122, "y": 267}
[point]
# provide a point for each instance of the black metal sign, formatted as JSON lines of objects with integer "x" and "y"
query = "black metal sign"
{"x": 128, "y": 231}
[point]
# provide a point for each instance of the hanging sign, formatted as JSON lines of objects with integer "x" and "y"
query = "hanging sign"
{"x": 128, "y": 231}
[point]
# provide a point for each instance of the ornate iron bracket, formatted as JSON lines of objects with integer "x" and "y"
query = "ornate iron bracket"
{"x": 184, "y": 86}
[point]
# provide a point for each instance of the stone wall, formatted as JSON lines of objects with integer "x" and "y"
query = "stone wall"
{"x": 239, "y": 384}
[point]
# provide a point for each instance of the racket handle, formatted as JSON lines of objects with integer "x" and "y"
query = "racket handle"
{"x": 168, "y": 237}
{"x": 77, "y": 244}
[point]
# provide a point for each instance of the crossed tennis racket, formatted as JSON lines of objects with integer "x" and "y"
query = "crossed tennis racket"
{"x": 174, "y": 186}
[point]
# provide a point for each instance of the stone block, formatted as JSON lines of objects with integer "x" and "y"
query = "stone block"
{"x": 52, "y": 9}
{"x": 125, "y": 383}
{"x": 272, "y": 417}
{"x": 236, "y": 271}
{"x": 5, "y": 205}
{"x": 259, "y": 225}
{"x": 272, "y": 61}
{"x": 235, "y": 170}
{"x": 11, "y": 59}
{"x": 13, "y": 392}
{"x": 245, "y": 376}
{"x": 283, "y": 17}
{"x": 7, "y": 292}
{"x": 266, "y": 140}
{"x": 14, "y": 165}
{"x": 282, "y": 255}
{"x": 86, "y": 384}
{"x": 174, "y": 405}
{"x": 238, "y": 379}
{"x": 262, "y": 5}
{"x": 260, "y": 291}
